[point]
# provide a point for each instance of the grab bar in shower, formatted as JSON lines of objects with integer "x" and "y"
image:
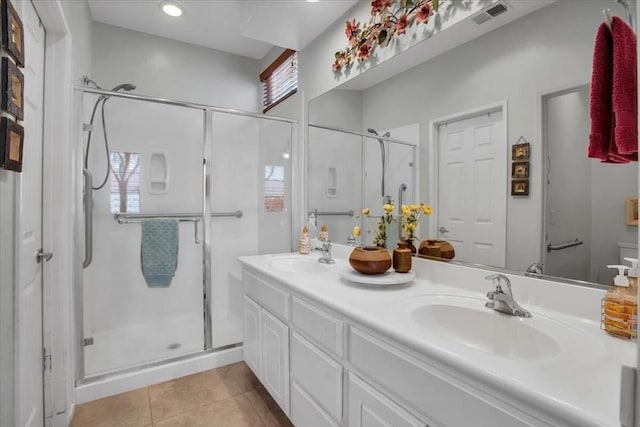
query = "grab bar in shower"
{"x": 317, "y": 213}
{"x": 561, "y": 246}
{"x": 88, "y": 218}
{"x": 129, "y": 218}
{"x": 126, "y": 218}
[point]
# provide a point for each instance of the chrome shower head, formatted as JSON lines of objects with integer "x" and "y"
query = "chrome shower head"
{"x": 125, "y": 86}
{"x": 373, "y": 131}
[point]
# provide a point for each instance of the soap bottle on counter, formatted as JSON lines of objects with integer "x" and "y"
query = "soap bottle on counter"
{"x": 633, "y": 273}
{"x": 620, "y": 307}
{"x": 304, "y": 244}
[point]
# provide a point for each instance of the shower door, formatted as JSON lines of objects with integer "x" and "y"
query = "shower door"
{"x": 155, "y": 171}
{"x": 250, "y": 203}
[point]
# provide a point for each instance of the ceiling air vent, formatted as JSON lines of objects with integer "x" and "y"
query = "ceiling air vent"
{"x": 492, "y": 12}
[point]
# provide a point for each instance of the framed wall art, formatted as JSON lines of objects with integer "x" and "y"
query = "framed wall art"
{"x": 520, "y": 187}
{"x": 12, "y": 32}
{"x": 12, "y": 89}
{"x": 521, "y": 150}
{"x": 11, "y": 143}
{"x": 631, "y": 210}
{"x": 520, "y": 170}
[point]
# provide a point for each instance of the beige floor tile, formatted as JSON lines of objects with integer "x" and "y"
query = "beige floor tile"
{"x": 126, "y": 409}
{"x": 267, "y": 408}
{"x": 235, "y": 411}
{"x": 242, "y": 374}
{"x": 189, "y": 393}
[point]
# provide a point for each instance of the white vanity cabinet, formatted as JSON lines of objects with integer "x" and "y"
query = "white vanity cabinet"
{"x": 266, "y": 336}
{"x": 326, "y": 370}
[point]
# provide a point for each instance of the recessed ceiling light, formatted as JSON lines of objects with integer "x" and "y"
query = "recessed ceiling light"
{"x": 171, "y": 9}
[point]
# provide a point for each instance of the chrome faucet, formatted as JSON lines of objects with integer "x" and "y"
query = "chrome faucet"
{"x": 502, "y": 299}
{"x": 326, "y": 252}
{"x": 534, "y": 270}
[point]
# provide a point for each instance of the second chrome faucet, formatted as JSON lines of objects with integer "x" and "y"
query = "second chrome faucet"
{"x": 502, "y": 298}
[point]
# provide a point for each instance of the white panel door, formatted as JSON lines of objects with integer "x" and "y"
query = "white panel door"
{"x": 274, "y": 366}
{"x": 472, "y": 181}
{"x": 251, "y": 341}
{"x": 29, "y": 354}
{"x": 369, "y": 408}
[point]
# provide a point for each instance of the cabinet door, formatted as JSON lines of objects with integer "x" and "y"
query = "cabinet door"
{"x": 275, "y": 358}
{"x": 369, "y": 408}
{"x": 251, "y": 340}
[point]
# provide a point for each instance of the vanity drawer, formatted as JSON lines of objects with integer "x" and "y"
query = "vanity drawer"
{"x": 318, "y": 325}
{"x": 267, "y": 295}
{"x": 318, "y": 374}
{"x": 422, "y": 387}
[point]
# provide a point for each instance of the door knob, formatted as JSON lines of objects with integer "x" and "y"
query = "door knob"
{"x": 41, "y": 255}
{"x": 443, "y": 230}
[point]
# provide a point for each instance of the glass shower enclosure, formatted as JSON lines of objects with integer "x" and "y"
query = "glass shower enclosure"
{"x": 187, "y": 189}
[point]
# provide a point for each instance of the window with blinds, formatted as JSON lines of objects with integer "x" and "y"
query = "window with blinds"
{"x": 279, "y": 80}
{"x": 125, "y": 182}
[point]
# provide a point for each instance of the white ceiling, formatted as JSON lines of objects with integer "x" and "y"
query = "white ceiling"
{"x": 244, "y": 27}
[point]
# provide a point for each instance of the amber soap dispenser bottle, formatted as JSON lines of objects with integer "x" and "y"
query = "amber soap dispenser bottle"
{"x": 620, "y": 307}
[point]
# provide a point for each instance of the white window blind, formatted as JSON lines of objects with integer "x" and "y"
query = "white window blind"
{"x": 280, "y": 79}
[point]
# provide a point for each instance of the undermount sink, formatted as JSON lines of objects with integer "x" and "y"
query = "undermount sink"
{"x": 466, "y": 321}
{"x": 298, "y": 264}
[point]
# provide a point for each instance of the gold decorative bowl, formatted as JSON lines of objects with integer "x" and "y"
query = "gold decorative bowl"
{"x": 370, "y": 260}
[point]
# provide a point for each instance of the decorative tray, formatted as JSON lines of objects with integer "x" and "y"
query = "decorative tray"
{"x": 387, "y": 278}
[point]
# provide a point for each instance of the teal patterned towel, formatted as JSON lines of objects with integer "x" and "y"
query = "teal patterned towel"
{"x": 159, "y": 251}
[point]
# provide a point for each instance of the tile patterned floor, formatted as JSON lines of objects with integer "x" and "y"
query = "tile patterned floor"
{"x": 230, "y": 396}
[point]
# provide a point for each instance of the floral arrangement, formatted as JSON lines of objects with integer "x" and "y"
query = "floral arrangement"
{"x": 389, "y": 18}
{"x": 380, "y": 239}
{"x": 411, "y": 215}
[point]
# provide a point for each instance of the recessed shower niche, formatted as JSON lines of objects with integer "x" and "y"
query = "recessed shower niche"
{"x": 158, "y": 173}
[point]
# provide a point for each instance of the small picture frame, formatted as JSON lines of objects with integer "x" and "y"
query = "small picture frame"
{"x": 520, "y": 152}
{"x": 11, "y": 144}
{"x": 631, "y": 210}
{"x": 520, "y": 170}
{"x": 12, "y": 89}
{"x": 520, "y": 187}
{"x": 12, "y": 32}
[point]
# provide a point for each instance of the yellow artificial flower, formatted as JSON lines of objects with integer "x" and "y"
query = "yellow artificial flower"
{"x": 366, "y": 211}
{"x": 426, "y": 209}
{"x": 356, "y": 231}
{"x": 415, "y": 208}
{"x": 388, "y": 207}
{"x": 405, "y": 210}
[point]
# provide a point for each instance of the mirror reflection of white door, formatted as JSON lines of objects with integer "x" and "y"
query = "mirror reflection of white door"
{"x": 29, "y": 354}
{"x": 472, "y": 182}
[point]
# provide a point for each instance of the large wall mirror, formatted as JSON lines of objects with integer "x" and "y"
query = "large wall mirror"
{"x": 445, "y": 129}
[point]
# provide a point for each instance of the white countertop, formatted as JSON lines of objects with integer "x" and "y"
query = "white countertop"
{"x": 580, "y": 385}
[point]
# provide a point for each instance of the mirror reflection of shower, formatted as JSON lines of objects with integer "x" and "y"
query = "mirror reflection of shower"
{"x": 101, "y": 101}
{"x": 383, "y": 151}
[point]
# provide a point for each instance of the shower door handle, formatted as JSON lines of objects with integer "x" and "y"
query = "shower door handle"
{"x": 88, "y": 218}
{"x": 443, "y": 230}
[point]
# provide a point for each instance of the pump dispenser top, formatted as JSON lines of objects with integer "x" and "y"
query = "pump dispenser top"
{"x": 620, "y": 279}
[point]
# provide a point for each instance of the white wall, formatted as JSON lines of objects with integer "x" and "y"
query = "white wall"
{"x": 166, "y": 68}
{"x": 517, "y": 63}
